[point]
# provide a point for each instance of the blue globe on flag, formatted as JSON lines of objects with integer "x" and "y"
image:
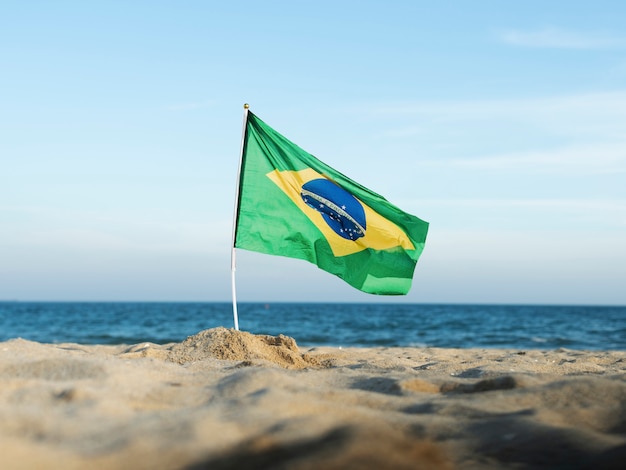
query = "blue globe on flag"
{"x": 340, "y": 209}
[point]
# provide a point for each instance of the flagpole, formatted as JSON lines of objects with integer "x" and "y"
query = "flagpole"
{"x": 233, "y": 263}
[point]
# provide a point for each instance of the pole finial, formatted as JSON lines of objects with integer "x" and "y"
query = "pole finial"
{"x": 246, "y": 106}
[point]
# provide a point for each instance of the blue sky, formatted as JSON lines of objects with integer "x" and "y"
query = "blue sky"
{"x": 502, "y": 124}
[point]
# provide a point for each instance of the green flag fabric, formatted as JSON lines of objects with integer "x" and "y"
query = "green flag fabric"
{"x": 292, "y": 204}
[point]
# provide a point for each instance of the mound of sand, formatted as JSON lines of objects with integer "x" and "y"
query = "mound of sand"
{"x": 233, "y": 345}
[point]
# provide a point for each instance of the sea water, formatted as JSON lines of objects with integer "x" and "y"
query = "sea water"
{"x": 319, "y": 324}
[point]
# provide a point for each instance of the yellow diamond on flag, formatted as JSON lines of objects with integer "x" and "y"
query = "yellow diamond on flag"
{"x": 376, "y": 232}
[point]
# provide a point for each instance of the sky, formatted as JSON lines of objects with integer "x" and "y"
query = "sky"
{"x": 502, "y": 124}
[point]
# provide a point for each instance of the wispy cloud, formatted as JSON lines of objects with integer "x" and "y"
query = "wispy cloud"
{"x": 553, "y": 214}
{"x": 566, "y": 138}
{"x": 559, "y": 38}
{"x": 597, "y": 159}
{"x": 573, "y": 205}
{"x": 610, "y": 102}
{"x": 599, "y": 115}
{"x": 121, "y": 231}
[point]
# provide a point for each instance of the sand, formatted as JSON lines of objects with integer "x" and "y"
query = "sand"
{"x": 226, "y": 399}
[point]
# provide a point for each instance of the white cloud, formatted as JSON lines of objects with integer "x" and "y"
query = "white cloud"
{"x": 610, "y": 104}
{"x": 561, "y": 215}
{"x": 551, "y": 37}
{"x": 607, "y": 205}
{"x": 74, "y": 230}
{"x": 582, "y": 132}
{"x": 596, "y": 159}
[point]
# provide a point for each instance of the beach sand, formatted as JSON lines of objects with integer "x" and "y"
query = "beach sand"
{"x": 226, "y": 399}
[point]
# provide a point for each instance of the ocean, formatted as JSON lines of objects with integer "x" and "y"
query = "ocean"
{"x": 323, "y": 324}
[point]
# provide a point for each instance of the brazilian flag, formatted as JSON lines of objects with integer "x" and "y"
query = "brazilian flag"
{"x": 292, "y": 204}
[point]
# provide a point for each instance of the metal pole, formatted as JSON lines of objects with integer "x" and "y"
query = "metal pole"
{"x": 232, "y": 254}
